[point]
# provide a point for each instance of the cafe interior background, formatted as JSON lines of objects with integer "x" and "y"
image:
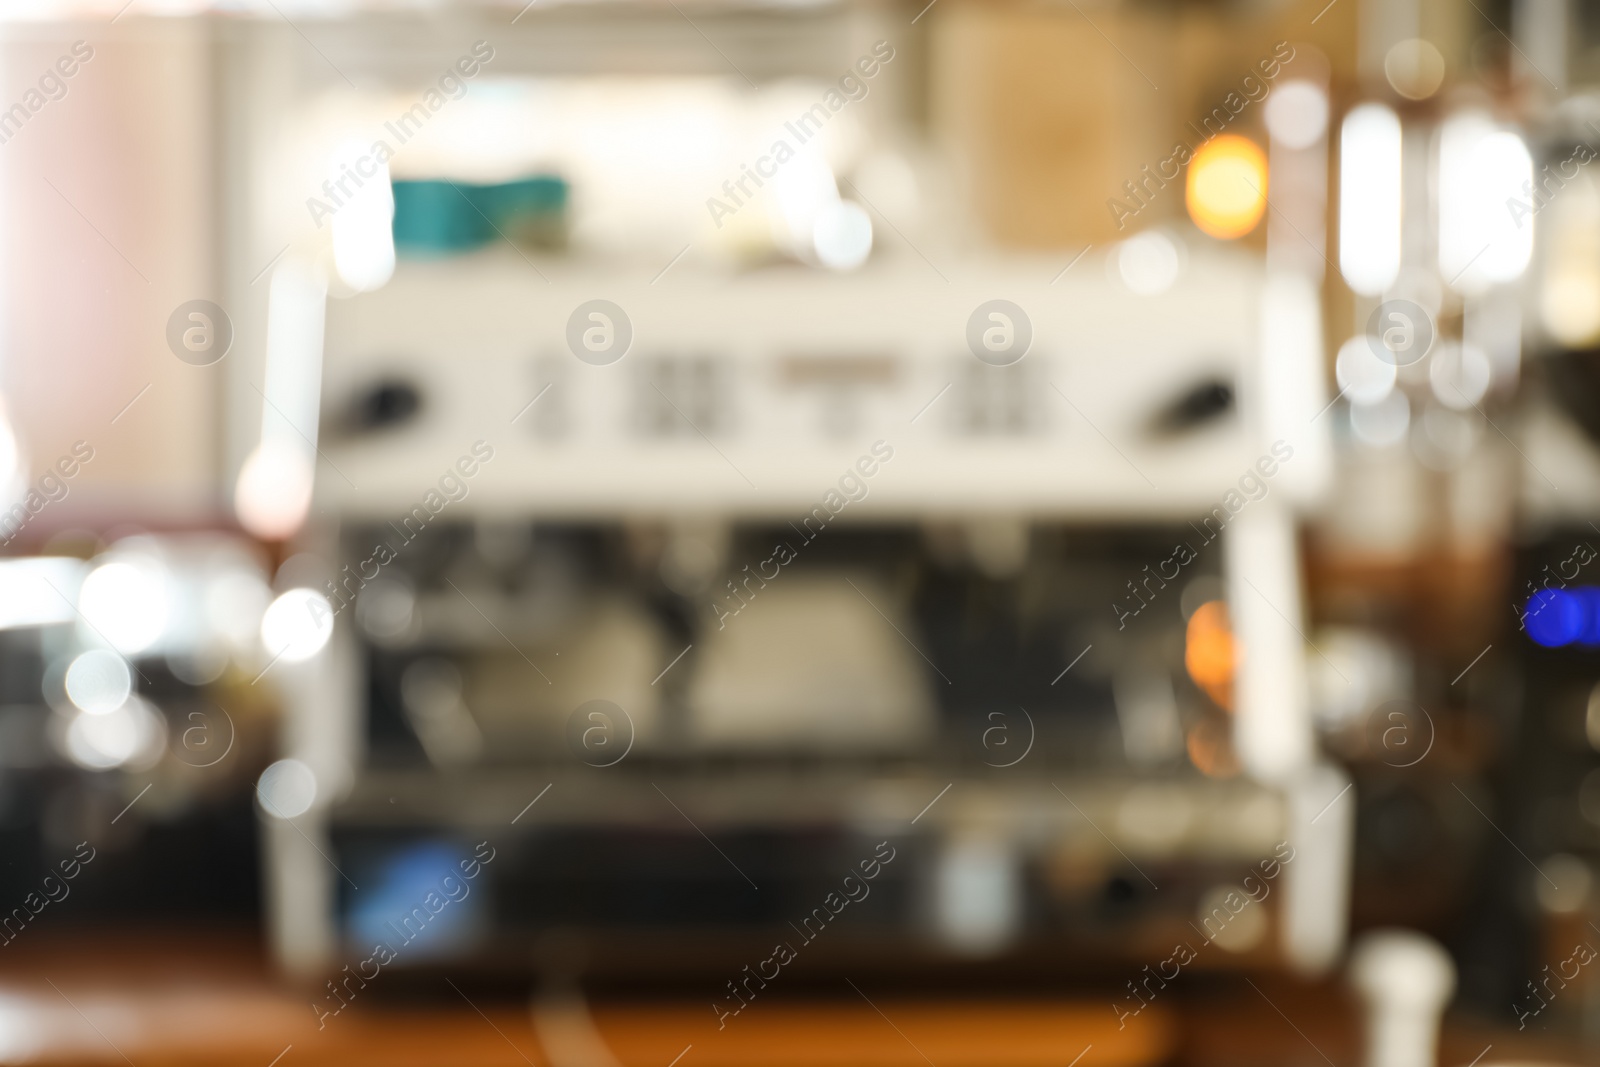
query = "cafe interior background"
{"x": 638, "y": 533}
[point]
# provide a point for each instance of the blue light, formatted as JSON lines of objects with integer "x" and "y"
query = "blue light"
{"x": 413, "y": 909}
{"x": 1555, "y": 617}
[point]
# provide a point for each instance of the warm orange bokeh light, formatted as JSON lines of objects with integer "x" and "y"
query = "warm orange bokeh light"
{"x": 1226, "y": 189}
{"x": 1208, "y": 653}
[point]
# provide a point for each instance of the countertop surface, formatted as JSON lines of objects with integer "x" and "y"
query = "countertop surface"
{"x": 180, "y": 997}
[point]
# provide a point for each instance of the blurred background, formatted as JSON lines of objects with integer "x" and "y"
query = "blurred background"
{"x": 1053, "y": 533}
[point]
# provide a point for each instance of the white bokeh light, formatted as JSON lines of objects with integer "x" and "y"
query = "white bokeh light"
{"x": 38, "y": 590}
{"x": 363, "y": 227}
{"x": 842, "y": 235}
{"x": 1502, "y": 167}
{"x": 297, "y": 625}
{"x": 131, "y": 734}
{"x": 1361, "y": 375}
{"x": 800, "y": 191}
{"x": 287, "y": 789}
{"x": 98, "y": 681}
{"x": 1297, "y": 114}
{"x": 1150, "y": 263}
{"x": 273, "y": 496}
{"x": 126, "y": 603}
{"x": 273, "y": 493}
{"x": 1483, "y": 172}
{"x": 1369, "y": 198}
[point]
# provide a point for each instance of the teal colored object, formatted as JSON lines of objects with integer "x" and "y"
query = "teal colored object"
{"x": 437, "y": 218}
{"x": 523, "y": 197}
{"x": 433, "y": 217}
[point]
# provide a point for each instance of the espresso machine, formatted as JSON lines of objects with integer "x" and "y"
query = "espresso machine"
{"x": 685, "y": 583}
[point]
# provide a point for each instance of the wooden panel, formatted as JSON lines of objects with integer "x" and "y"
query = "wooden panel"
{"x": 894, "y": 1033}
{"x": 185, "y": 1000}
